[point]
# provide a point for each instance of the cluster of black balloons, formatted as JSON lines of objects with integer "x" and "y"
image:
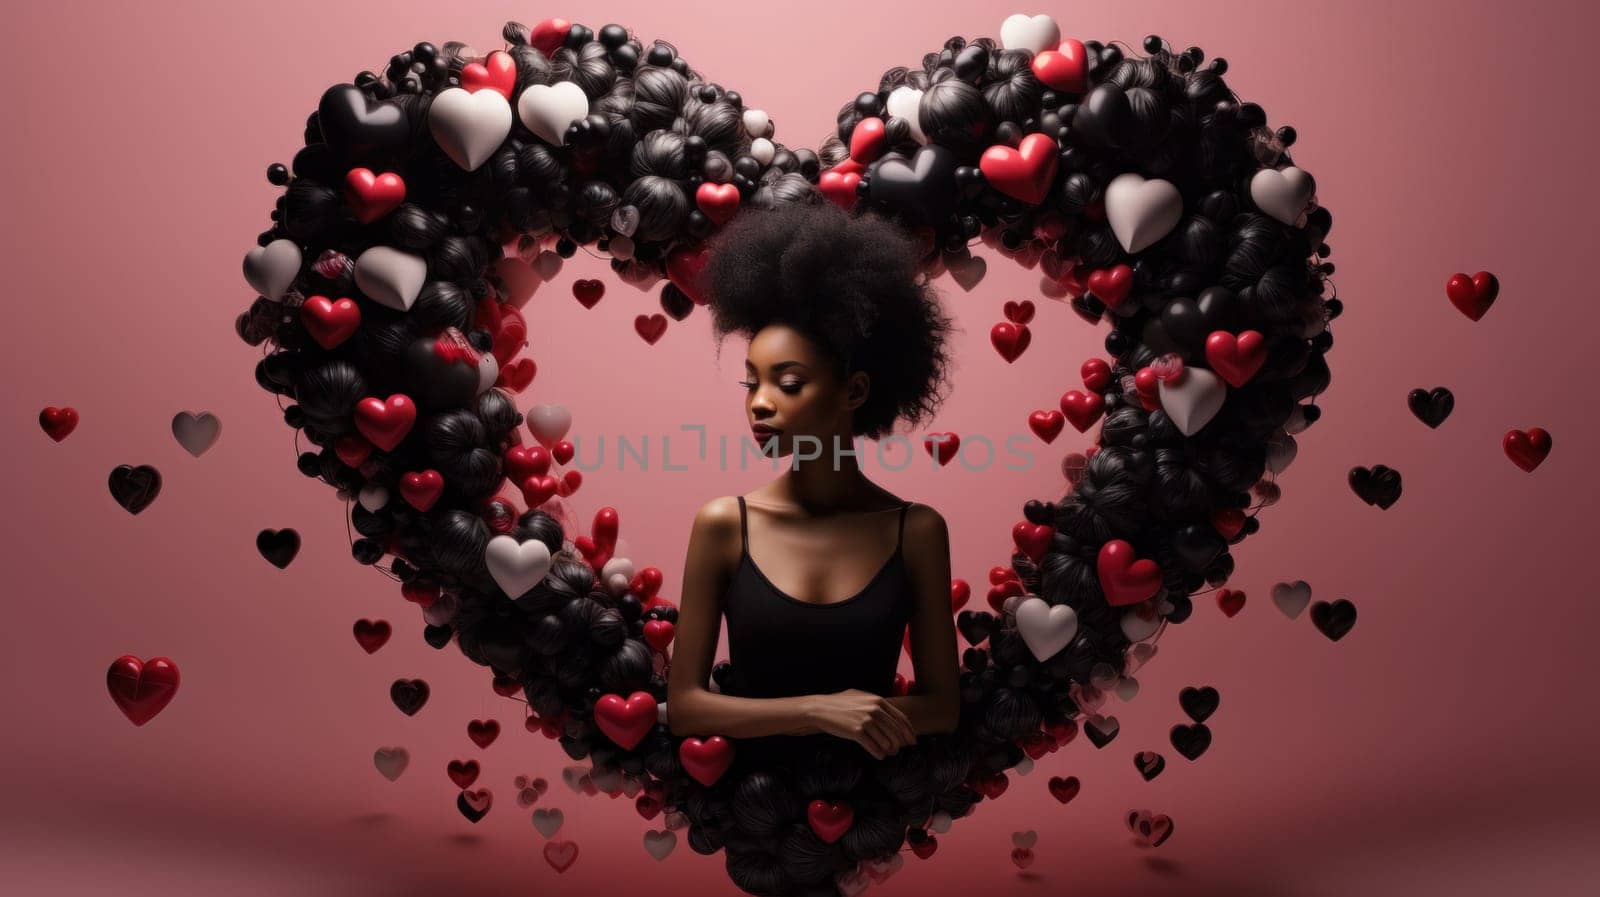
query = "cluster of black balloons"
{"x": 623, "y": 173}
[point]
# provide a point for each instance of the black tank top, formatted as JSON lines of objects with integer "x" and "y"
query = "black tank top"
{"x": 780, "y": 646}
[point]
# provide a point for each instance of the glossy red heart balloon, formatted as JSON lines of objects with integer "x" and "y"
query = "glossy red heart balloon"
{"x": 141, "y": 688}
{"x": 1473, "y": 295}
{"x": 1125, "y": 577}
{"x": 626, "y": 721}
{"x": 58, "y": 423}
{"x": 1023, "y": 173}
{"x": 1527, "y": 448}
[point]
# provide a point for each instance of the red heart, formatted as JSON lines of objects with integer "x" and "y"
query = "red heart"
{"x": 830, "y": 819}
{"x": 462, "y": 772}
{"x": 839, "y": 186}
{"x": 1235, "y": 358}
{"x": 1019, "y": 312}
{"x": 925, "y": 847}
{"x": 1072, "y": 280}
{"x": 684, "y": 267}
{"x": 421, "y": 488}
{"x": 1473, "y": 295}
{"x": 1096, "y": 374}
{"x": 649, "y": 807}
{"x": 650, "y": 327}
{"x": 497, "y": 72}
{"x": 58, "y": 423}
{"x": 646, "y": 583}
{"x": 352, "y": 450}
{"x": 946, "y": 444}
{"x": 626, "y": 722}
{"x": 659, "y": 633}
{"x": 1111, "y": 285}
{"x": 588, "y": 291}
{"x": 511, "y": 337}
{"x": 1065, "y": 69}
{"x": 549, "y": 35}
{"x": 483, "y": 732}
{"x": 1000, "y": 574}
{"x": 141, "y": 689}
{"x": 960, "y": 593}
{"x": 1024, "y": 173}
{"x": 562, "y": 451}
{"x": 1010, "y": 340}
{"x": 561, "y": 854}
{"x": 372, "y": 635}
{"x": 999, "y": 593}
{"x": 1032, "y": 538}
{"x": 1064, "y": 789}
{"x": 1227, "y": 522}
{"x": 706, "y": 760}
{"x": 517, "y": 375}
{"x": 1125, "y": 577}
{"x": 1157, "y": 829}
{"x": 1082, "y": 408}
{"x": 1230, "y": 601}
{"x": 523, "y": 461}
{"x": 372, "y": 196}
{"x": 1527, "y": 449}
{"x": 1037, "y": 744}
{"x": 1063, "y": 731}
{"x": 422, "y": 594}
{"x": 329, "y": 322}
{"x": 386, "y": 423}
{"x": 538, "y": 489}
{"x": 1021, "y": 857}
{"x": 569, "y": 483}
{"x": 868, "y": 139}
{"x": 1047, "y": 424}
{"x": 719, "y": 202}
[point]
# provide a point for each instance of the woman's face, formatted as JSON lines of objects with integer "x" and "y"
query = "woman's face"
{"x": 794, "y": 389}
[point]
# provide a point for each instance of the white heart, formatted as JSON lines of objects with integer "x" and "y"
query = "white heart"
{"x": 391, "y": 277}
{"x": 270, "y": 269}
{"x": 469, "y": 126}
{"x": 617, "y": 585}
{"x": 1044, "y": 627}
{"x": 549, "y": 109}
{"x": 488, "y": 372}
{"x": 763, "y": 150}
{"x": 196, "y": 432}
{"x": 441, "y": 611}
{"x": 757, "y": 123}
{"x": 617, "y": 565}
{"x": 1281, "y": 450}
{"x": 940, "y": 821}
{"x": 906, "y": 102}
{"x": 548, "y": 264}
{"x": 659, "y": 843}
{"x": 549, "y": 423}
{"x": 1137, "y": 628}
{"x": 1291, "y": 597}
{"x": 1194, "y": 401}
{"x": 548, "y": 822}
{"x": 1127, "y": 688}
{"x": 391, "y": 761}
{"x": 676, "y": 819}
{"x": 373, "y": 497}
{"x": 1282, "y": 193}
{"x": 1141, "y": 211}
{"x": 607, "y": 780}
{"x": 573, "y": 776}
{"x": 1297, "y": 421}
{"x": 1024, "y": 839}
{"x": 1037, "y": 33}
{"x": 516, "y": 566}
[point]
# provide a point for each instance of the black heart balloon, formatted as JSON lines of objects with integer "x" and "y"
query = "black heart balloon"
{"x": 1188, "y": 322}
{"x": 1097, "y": 737}
{"x": 437, "y": 636}
{"x": 1039, "y": 513}
{"x": 975, "y": 625}
{"x": 278, "y": 546}
{"x": 472, "y": 813}
{"x": 1191, "y": 741}
{"x": 1149, "y": 764}
{"x": 439, "y": 372}
{"x": 923, "y": 187}
{"x": 1333, "y": 619}
{"x": 1199, "y": 703}
{"x": 353, "y": 124}
{"x": 1431, "y": 406}
{"x": 1104, "y": 117}
{"x": 135, "y": 487}
{"x": 409, "y": 695}
{"x": 1379, "y": 485}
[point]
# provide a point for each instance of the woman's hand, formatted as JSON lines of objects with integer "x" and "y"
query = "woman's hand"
{"x": 871, "y": 720}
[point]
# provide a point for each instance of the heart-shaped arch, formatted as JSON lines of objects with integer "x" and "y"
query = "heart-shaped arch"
{"x": 1145, "y": 191}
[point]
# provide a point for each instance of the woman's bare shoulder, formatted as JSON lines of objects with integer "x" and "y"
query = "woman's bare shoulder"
{"x": 925, "y": 527}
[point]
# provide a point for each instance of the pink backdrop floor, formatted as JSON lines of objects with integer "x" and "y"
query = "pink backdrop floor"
{"x": 1445, "y": 746}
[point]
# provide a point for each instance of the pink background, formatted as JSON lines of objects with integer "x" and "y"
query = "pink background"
{"x": 1444, "y": 746}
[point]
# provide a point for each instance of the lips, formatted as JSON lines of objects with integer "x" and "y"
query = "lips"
{"x": 761, "y": 431}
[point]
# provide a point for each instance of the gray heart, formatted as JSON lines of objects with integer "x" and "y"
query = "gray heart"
{"x": 196, "y": 432}
{"x": 391, "y": 277}
{"x": 1141, "y": 211}
{"x": 548, "y": 822}
{"x": 469, "y": 125}
{"x": 391, "y": 761}
{"x": 659, "y": 843}
{"x": 270, "y": 269}
{"x": 1282, "y": 193}
{"x": 1291, "y": 597}
{"x": 967, "y": 271}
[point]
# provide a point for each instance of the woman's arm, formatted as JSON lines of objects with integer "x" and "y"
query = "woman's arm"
{"x": 935, "y": 704}
{"x": 692, "y": 708}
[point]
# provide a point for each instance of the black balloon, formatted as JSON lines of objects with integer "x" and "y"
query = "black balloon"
{"x": 1199, "y": 703}
{"x": 1191, "y": 741}
{"x": 278, "y": 546}
{"x": 135, "y": 487}
{"x": 923, "y": 188}
{"x": 1431, "y": 406}
{"x": 409, "y": 695}
{"x": 1378, "y": 485}
{"x": 1333, "y": 619}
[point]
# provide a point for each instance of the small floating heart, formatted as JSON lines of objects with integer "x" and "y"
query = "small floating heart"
{"x": 196, "y": 432}
{"x": 135, "y": 487}
{"x": 278, "y": 546}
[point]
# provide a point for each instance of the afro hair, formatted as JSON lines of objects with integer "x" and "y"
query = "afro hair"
{"x": 851, "y": 284}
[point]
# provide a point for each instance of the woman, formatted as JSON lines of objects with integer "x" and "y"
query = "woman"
{"x": 845, "y": 339}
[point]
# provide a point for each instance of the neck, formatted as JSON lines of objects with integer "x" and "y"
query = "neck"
{"x": 827, "y": 483}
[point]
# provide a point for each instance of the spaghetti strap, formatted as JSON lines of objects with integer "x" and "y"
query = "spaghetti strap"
{"x": 900, "y": 538}
{"x": 744, "y": 529}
